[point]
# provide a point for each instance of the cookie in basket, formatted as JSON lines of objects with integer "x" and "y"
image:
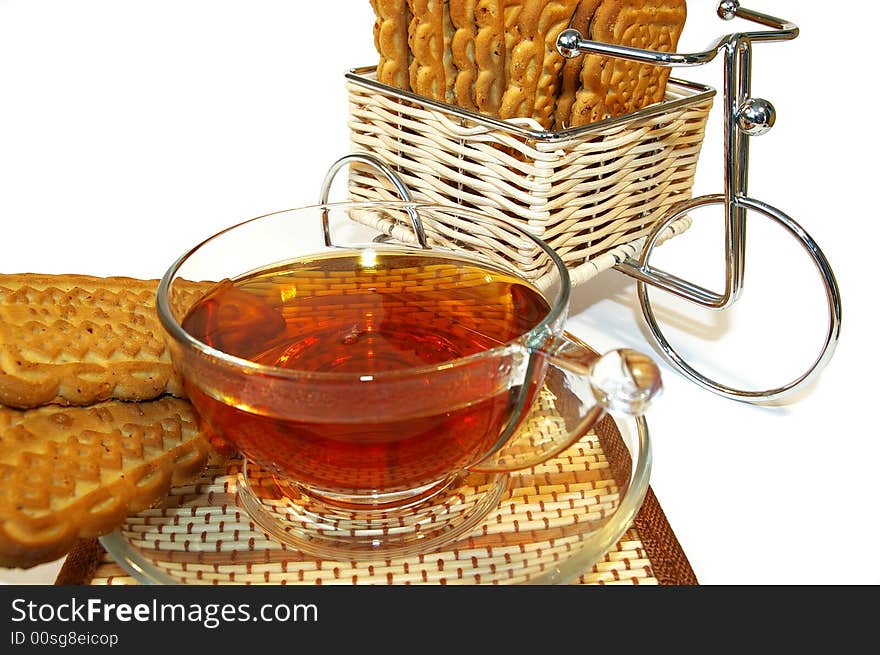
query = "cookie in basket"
{"x": 533, "y": 63}
{"x": 499, "y": 57}
{"x": 391, "y": 38}
{"x": 570, "y": 75}
{"x": 462, "y": 14}
{"x": 489, "y": 56}
{"x": 68, "y": 473}
{"x": 613, "y": 86}
{"x": 431, "y": 70}
{"x": 78, "y": 339}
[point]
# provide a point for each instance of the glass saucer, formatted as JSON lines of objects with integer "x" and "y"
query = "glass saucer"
{"x": 290, "y": 515}
{"x": 542, "y": 525}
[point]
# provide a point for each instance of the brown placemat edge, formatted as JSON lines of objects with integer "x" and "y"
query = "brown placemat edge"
{"x": 668, "y": 560}
{"x": 81, "y": 563}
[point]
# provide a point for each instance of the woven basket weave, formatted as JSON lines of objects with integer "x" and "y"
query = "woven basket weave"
{"x": 591, "y": 192}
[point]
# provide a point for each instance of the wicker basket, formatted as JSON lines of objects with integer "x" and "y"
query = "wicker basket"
{"x": 592, "y": 193}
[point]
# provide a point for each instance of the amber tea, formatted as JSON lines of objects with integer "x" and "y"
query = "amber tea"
{"x": 370, "y": 316}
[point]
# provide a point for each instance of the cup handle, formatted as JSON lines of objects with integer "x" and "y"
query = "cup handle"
{"x": 574, "y": 388}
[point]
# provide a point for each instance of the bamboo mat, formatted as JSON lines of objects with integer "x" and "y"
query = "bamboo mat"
{"x": 202, "y": 536}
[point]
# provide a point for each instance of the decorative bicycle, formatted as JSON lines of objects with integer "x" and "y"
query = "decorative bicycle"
{"x": 744, "y": 117}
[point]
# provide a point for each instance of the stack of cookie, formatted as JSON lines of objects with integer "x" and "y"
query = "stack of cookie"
{"x": 499, "y": 57}
{"x": 93, "y": 422}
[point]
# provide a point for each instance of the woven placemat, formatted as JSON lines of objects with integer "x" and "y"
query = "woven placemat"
{"x": 228, "y": 548}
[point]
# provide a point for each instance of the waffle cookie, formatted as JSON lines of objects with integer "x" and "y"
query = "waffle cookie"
{"x": 613, "y": 87}
{"x": 77, "y": 340}
{"x": 76, "y": 472}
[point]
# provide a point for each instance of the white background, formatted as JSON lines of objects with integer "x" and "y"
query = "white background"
{"x": 130, "y": 130}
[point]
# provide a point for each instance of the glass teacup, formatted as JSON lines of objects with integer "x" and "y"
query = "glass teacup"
{"x": 368, "y": 384}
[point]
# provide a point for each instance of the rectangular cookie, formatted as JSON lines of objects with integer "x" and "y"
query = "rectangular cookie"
{"x": 68, "y": 473}
{"x": 490, "y": 54}
{"x": 462, "y": 13}
{"x": 390, "y": 33}
{"x": 534, "y": 64}
{"x": 613, "y": 87}
{"x": 570, "y": 75}
{"x": 77, "y": 340}
{"x": 432, "y": 71}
